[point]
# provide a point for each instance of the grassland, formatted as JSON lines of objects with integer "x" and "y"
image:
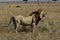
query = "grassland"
{"x": 52, "y": 32}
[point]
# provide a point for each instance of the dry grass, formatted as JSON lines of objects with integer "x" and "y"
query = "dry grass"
{"x": 44, "y": 33}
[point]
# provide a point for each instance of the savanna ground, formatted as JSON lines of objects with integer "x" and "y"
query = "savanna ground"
{"x": 52, "y": 32}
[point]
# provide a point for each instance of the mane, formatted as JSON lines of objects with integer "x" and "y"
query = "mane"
{"x": 36, "y": 16}
{"x": 33, "y": 13}
{"x": 37, "y": 19}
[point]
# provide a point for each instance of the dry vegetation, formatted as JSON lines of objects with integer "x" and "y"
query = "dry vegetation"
{"x": 52, "y": 32}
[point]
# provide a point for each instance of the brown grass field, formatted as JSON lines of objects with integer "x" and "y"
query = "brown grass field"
{"x": 52, "y": 32}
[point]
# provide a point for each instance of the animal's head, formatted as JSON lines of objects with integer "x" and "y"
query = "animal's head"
{"x": 41, "y": 13}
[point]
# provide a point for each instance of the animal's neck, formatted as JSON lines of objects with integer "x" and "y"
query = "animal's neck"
{"x": 37, "y": 19}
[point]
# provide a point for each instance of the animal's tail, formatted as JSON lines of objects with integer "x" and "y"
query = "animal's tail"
{"x": 12, "y": 19}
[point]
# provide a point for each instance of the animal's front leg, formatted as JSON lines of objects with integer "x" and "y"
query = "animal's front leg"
{"x": 34, "y": 27}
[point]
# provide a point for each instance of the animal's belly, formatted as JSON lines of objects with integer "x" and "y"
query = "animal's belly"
{"x": 26, "y": 22}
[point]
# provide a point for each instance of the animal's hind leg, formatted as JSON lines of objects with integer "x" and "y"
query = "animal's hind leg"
{"x": 17, "y": 25}
{"x": 15, "y": 28}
